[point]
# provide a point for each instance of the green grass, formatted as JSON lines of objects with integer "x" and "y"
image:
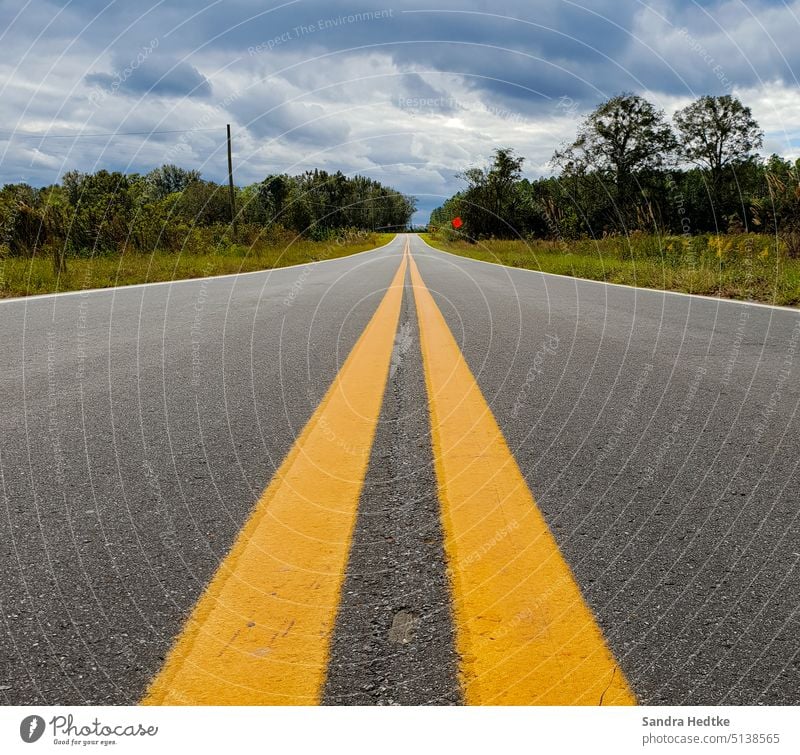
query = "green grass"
{"x": 752, "y": 267}
{"x": 21, "y": 276}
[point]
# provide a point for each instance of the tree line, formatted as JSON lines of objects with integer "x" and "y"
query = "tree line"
{"x": 629, "y": 169}
{"x": 173, "y": 209}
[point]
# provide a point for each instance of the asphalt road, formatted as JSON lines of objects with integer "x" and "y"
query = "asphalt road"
{"x": 657, "y": 432}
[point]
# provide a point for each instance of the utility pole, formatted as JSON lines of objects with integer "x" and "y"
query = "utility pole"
{"x": 230, "y": 184}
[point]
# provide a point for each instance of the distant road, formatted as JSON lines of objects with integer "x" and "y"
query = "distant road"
{"x": 642, "y": 447}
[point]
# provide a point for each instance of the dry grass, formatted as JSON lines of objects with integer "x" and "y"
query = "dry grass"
{"x": 753, "y": 267}
{"x": 35, "y": 275}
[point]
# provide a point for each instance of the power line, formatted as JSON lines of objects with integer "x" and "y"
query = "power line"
{"x": 24, "y": 135}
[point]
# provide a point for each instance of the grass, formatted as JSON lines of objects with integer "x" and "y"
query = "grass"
{"x": 751, "y": 267}
{"x": 24, "y": 276}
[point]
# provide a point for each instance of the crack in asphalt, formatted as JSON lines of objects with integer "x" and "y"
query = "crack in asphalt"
{"x": 393, "y": 643}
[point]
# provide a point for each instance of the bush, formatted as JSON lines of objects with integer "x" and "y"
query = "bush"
{"x": 171, "y": 209}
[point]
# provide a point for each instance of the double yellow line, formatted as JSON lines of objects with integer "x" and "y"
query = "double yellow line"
{"x": 260, "y": 634}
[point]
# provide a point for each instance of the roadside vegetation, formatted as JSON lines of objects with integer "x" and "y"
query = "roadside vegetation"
{"x": 25, "y": 276}
{"x": 688, "y": 205}
{"x": 105, "y": 229}
{"x": 751, "y": 267}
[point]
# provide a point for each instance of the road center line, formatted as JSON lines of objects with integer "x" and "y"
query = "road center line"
{"x": 524, "y": 633}
{"x": 260, "y": 634}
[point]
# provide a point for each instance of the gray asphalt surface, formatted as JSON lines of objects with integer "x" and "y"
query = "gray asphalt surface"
{"x": 139, "y": 426}
{"x": 660, "y": 437}
{"x": 393, "y": 642}
{"x": 658, "y": 433}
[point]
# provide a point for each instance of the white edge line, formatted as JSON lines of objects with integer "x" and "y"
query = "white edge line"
{"x": 781, "y": 307}
{"x": 83, "y": 291}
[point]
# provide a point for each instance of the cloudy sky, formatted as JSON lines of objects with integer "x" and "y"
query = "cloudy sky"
{"x": 409, "y": 93}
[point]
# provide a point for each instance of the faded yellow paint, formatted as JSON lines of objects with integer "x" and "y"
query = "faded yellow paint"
{"x": 260, "y": 634}
{"x": 524, "y": 632}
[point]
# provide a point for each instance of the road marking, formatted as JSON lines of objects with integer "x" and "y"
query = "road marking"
{"x": 260, "y": 633}
{"x": 524, "y": 633}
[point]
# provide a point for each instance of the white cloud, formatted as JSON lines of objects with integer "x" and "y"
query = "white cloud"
{"x": 409, "y": 112}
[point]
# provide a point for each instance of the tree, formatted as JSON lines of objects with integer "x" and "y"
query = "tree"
{"x": 169, "y": 179}
{"x": 778, "y": 209}
{"x": 275, "y": 189}
{"x": 502, "y": 180}
{"x": 101, "y": 210}
{"x": 203, "y": 203}
{"x": 623, "y": 137}
{"x": 716, "y": 132}
{"x": 493, "y": 202}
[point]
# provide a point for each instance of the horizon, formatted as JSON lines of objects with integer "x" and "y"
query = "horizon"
{"x": 291, "y": 80}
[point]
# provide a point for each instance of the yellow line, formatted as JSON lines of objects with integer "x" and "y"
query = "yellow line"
{"x": 260, "y": 633}
{"x": 524, "y": 633}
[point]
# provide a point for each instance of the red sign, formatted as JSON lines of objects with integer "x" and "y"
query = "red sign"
{"x": 457, "y": 222}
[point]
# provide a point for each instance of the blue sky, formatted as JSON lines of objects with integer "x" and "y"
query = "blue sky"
{"x": 409, "y": 93}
